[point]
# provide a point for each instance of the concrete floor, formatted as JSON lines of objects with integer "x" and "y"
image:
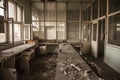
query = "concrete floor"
{"x": 107, "y": 72}
{"x": 43, "y": 67}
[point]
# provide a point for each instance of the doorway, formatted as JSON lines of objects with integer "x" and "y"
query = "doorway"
{"x": 94, "y": 39}
{"x": 101, "y": 37}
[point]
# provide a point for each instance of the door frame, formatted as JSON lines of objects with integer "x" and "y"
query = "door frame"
{"x": 94, "y": 44}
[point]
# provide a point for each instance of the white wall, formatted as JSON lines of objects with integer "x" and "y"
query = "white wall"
{"x": 112, "y": 57}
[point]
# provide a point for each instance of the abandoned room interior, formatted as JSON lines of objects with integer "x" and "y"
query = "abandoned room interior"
{"x": 59, "y": 39}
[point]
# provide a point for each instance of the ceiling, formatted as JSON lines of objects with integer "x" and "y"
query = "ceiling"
{"x": 73, "y": 4}
{"x": 67, "y": 0}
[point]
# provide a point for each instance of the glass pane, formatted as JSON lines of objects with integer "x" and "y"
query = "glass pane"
{"x": 114, "y": 30}
{"x": 1, "y": 3}
{"x": 73, "y": 30}
{"x": 94, "y": 31}
{"x": 50, "y": 28}
{"x": 42, "y": 29}
{"x": 61, "y": 11}
{"x": 87, "y": 14}
{"x": 95, "y": 9}
{"x": 114, "y": 5}
{"x": 19, "y": 16}
{"x": 102, "y": 7}
{"x": 2, "y": 37}
{"x": 73, "y": 12}
{"x": 61, "y": 30}
{"x": 17, "y": 32}
{"x": 2, "y": 25}
{"x": 12, "y": 12}
{"x": 27, "y": 32}
{"x": 41, "y": 11}
{"x": 1, "y": 12}
{"x": 86, "y": 32}
{"x": 50, "y": 11}
{"x": 35, "y": 26}
{"x": 10, "y": 31}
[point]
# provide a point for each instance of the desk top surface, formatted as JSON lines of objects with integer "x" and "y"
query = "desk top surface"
{"x": 15, "y": 50}
{"x": 68, "y": 58}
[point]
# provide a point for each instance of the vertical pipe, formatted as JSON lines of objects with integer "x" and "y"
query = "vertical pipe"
{"x": 80, "y": 24}
{"x": 56, "y": 21}
{"x": 66, "y": 29}
{"x": 12, "y": 31}
{"x": 44, "y": 22}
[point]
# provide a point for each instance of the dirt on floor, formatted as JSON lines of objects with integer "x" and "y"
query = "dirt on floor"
{"x": 43, "y": 67}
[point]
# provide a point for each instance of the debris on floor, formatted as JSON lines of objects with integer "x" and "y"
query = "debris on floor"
{"x": 75, "y": 70}
{"x": 43, "y": 67}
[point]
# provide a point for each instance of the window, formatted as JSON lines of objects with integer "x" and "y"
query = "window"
{"x": 12, "y": 12}
{"x": 2, "y": 30}
{"x": 114, "y": 5}
{"x": 2, "y": 23}
{"x": 35, "y": 22}
{"x": 61, "y": 11}
{"x": 102, "y": 7}
{"x": 86, "y": 32}
{"x": 95, "y": 9}
{"x": 50, "y": 11}
{"x": 51, "y": 22}
{"x": 27, "y": 32}
{"x": 101, "y": 30}
{"x": 35, "y": 26}
{"x": 114, "y": 30}
{"x": 17, "y": 33}
{"x": 61, "y": 30}
{"x": 87, "y": 14}
{"x": 94, "y": 32}
{"x": 1, "y": 8}
{"x": 15, "y": 11}
{"x": 19, "y": 14}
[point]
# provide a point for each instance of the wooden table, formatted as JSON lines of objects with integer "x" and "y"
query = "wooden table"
{"x": 67, "y": 56}
{"x": 8, "y": 56}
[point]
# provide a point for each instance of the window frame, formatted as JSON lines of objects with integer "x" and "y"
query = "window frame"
{"x": 15, "y": 21}
{"x": 109, "y": 30}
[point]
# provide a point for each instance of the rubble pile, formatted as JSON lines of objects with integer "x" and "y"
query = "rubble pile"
{"x": 75, "y": 70}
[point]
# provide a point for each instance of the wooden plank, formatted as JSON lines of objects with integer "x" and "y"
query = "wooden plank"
{"x": 15, "y": 50}
{"x": 68, "y": 56}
